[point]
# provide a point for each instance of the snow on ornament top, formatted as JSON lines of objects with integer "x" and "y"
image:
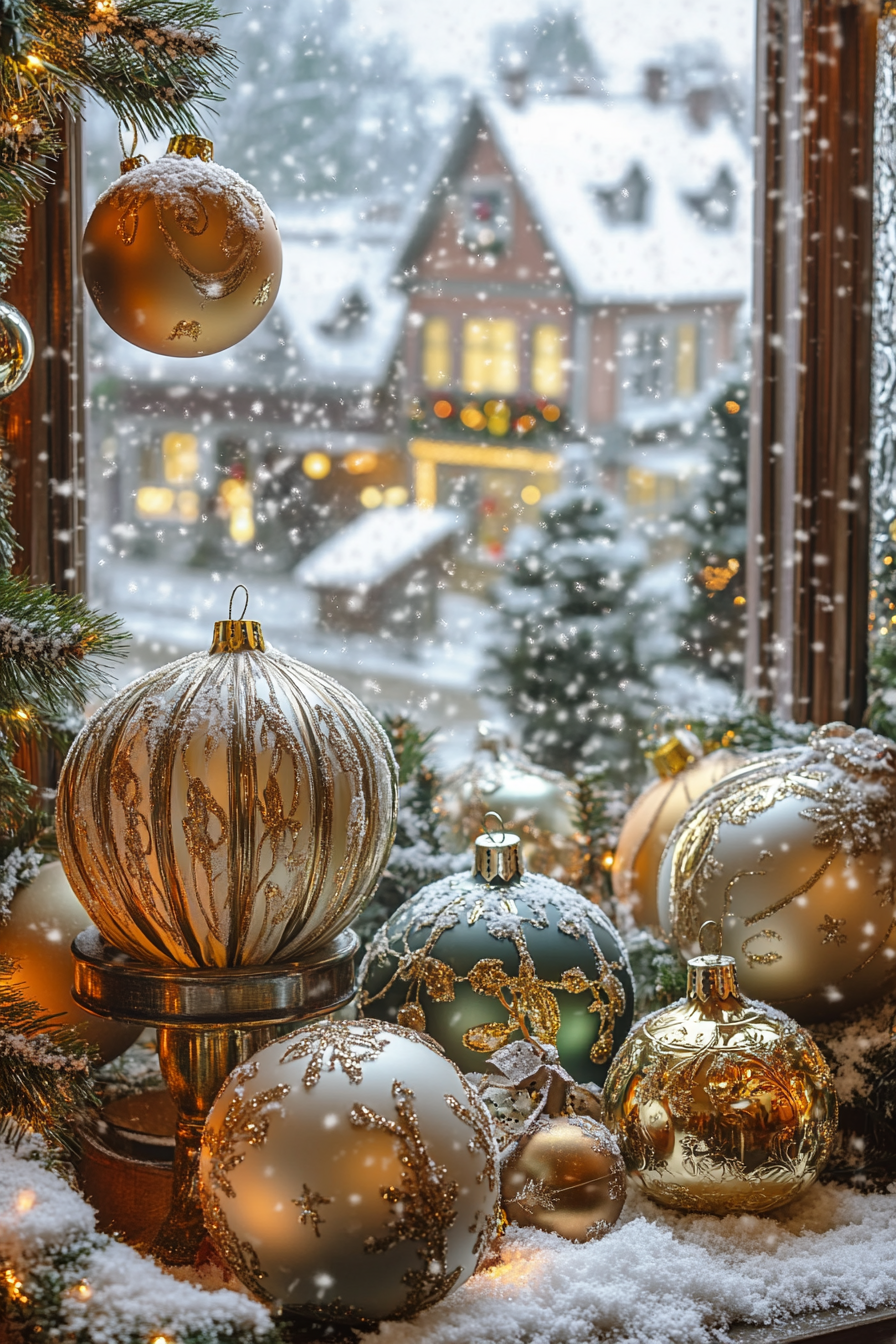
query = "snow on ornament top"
{"x": 794, "y": 855}
{"x": 233, "y": 808}
{"x": 182, "y": 257}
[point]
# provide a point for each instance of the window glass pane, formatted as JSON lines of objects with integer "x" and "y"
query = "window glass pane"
{"x": 515, "y": 297}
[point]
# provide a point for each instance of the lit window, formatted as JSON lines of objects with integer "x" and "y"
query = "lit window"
{"x": 180, "y": 458}
{"x": 686, "y": 360}
{"x": 547, "y": 362}
{"x": 646, "y": 364}
{"x": 437, "y": 368}
{"x": 491, "y": 360}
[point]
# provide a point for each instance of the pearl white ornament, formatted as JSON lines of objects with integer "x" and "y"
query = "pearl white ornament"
{"x": 348, "y": 1171}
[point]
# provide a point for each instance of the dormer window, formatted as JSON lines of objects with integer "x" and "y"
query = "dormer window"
{"x": 349, "y": 318}
{"x": 715, "y": 208}
{"x": 486, "y": 226}
{"x": 627, "y": 202}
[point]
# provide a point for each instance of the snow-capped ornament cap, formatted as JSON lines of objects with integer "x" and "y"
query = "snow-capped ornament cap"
{"x": 497, "y": 858}
{"x": 192, "y": 147}
{"x": 235, "y": 636}
{"x": 712, "y": 975}
{"x": 676, "y": 754}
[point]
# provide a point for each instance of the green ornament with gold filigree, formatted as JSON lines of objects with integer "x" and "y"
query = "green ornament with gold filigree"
{"x": 477, "y": 959}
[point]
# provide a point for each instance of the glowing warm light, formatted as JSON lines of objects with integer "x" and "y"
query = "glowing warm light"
{"x": 551, "y": 412}
{"x": 717, "y": 577}
{"x": 606, "y": 859}
{"x": 370, "y": 497}
{"x": 530, "y": 494}
{"x": 160, "y": 1339}
{"x": 472, "y": 417}
{"x": 82, "y": 1292}
{"x": 496, "y": 408}
{"x": 188, "y": 505}
{"x": 443, "y": 409}
{"x": 395, "y": 496}
{"x": 180, "y": 458}
{"x": 888, "y": 559}
{"x": 740, "y": 601}
{"x": 22, "y": 714}
{"x": 732, "y": 407}
{"x": 476, "y": 455}
{"x": 525, "y": 423}
{"x": 498, "y": 424}
{"x": 734, "y": 566}
{"x": 316, "y": 465}
{"x": 14, "y": 1286}
{"x": 359, "y": 464}
{"x": 25, "y": 1200}
{"x": 154, "y": 501}
{"x": 35, "y": 62}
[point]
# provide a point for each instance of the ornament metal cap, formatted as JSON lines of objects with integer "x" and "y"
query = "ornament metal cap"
{"x": 674, "y": 755}
{"x": 235, "y": 636}
{"x": 712, "y": 975}
{"x": 497, "y": 858}
{"x": 191, "y": 147}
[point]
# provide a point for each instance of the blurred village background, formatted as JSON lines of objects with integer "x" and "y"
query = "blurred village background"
{"x": 486, "y": 459}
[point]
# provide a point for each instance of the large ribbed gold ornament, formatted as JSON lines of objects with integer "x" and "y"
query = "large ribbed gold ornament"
{"x": 794, "y": 855}
{"x": 655, "y": 813}
{"x": 233, "y": 808}
{"x": 721, "y": 1104}
{"x": 182, "y": 257}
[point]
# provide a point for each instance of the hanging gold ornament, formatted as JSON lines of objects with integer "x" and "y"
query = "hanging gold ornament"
{"x": 502, "y": 943}
{"x": 537, "y": 804}
{"x": 44, "y": 917}
{"x": 233, "y": 808}
{"x": 794, "y": 855}
{"x": 16, "y": 349}
{"x": 348, "y": 1172}
{"x": 721, "y": 1104}
{"x": 685, "y": 773}
{"x": 182, "y": 257}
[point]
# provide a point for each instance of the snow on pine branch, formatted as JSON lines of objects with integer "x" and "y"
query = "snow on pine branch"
{"x": 19, "y": 866}
{"x": 21, "y": 641}
{"x": 41, "y": 1051}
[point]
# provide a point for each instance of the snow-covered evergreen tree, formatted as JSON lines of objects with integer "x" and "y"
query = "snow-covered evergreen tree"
{"x": 567, "y": 665}
{"x": 712, "y": 627}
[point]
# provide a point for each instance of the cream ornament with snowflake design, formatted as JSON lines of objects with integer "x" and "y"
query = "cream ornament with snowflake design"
{"x": 794, "y": 854}
{"x": 349, "y": 1172}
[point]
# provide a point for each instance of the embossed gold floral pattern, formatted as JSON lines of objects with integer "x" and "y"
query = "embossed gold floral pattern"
{"x": 720, "y": 1104}
{"x": 228, "y": 809}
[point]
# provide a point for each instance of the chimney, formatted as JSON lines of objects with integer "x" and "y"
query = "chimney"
{"x": 515, "y": 78}
{"x": 656, "y": 83}
{"x": 699, "y": 104}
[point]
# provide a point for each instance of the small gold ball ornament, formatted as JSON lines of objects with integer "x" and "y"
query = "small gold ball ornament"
{"x": 182, "y": 257}
{"x": 44, "y": 917}
{"x": 349, "y": 1172}
{"x": 16, "y": 349}
{"x": 567, "y": 1176}
{"x": 794, "y": 855}
{"x": 685, "y": 773}
{"x": 230, "y": 809}
{"x": 721, "y": 1104}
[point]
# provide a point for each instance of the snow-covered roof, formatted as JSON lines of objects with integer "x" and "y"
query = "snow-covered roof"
{"x": 564, "y": 151}
{"x": 376, "y": 546}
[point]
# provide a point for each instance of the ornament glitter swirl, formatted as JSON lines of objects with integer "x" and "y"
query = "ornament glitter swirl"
{"x": 794, "y": 854}
{"x": 721, "y": 1104}
{"x": 502, "y": 939}
{"x": 230, "y": 809}
{"x": 182, "y": 257}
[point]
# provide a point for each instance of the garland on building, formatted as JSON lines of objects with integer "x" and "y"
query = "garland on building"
{"x": 153, "y": 62}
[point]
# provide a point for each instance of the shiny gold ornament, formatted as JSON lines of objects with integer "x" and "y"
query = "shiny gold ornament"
{"x": 567, "y": 1176}
{"x": 348, "y": 1172}
{"x": 182, "y": 257}
{"x": 230, "y": 809}
{"x": 720, "y": 1103}
{"x": 684, "y": 776}
{"x": 539, "y": 805}
{"x": 794, "y": 854}
{"x": 44, "y": 917}
{"x": 16, "y": 349}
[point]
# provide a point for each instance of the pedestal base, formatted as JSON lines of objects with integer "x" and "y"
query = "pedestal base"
{"x": 208, "y": 1022}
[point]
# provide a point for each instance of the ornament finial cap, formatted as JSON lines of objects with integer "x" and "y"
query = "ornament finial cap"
{"x": 235, "y": 636}
{"x": 497, "y": 858}
{"x": 712, "y": 975}
{"x": 675, "y": 754}
{"x": 192, "y": 147}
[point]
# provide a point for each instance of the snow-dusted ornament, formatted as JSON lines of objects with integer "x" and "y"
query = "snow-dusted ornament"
{"x": 16, "y": 349}
{"x": 721, "y": 1104}
{"x": 478, "y": 957}
{"x": 685, "y": 772}
{"x": 349, "y": 1173}
{"x": 182, "y": 257}
{"x": 794, "y": 855}
{"x": 233, "y": 808}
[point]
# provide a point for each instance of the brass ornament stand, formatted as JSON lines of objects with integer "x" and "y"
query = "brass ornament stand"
{"x": 208, "y": 1021}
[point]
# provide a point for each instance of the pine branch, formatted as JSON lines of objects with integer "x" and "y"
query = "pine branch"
{"x": 44, "y": 1070}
